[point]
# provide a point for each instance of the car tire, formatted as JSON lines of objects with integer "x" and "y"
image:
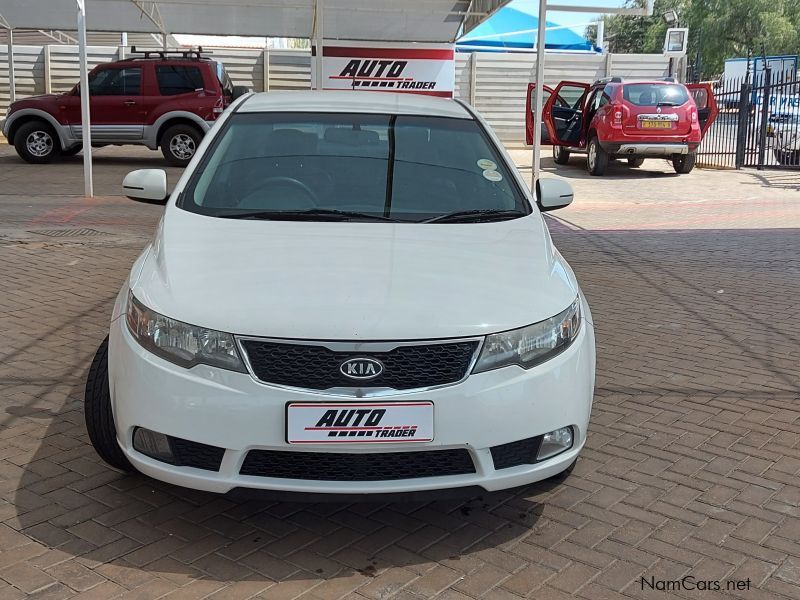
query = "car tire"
{"x": 36, "y": 142}
{"x": 179, "y": 144}
{"x": 684, "y": 163}
{"x": 72, "y": 151}
{"x": 635, "y": 163}
{"x": 596, "y": 158}
{"x": 788, "y": 158}
{"x": 560, "y": 155}
{"x": 98, "y": 414}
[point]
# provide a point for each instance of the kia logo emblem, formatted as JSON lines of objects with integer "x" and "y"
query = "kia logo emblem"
{"x": 361, "y": 369}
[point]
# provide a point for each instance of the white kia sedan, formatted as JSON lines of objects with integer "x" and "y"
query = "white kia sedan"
{"x": 348, "y": 293}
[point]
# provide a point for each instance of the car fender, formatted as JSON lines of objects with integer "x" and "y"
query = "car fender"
{"x": 151, "y": 131}
{"x": 61, "y": 130}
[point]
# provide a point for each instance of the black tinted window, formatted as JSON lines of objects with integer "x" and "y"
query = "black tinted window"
{"x": 402, "y": 167}
{"x": 175, "y": 79}
{"x": 116, "y": 82}
{"x": 652, "y": 94}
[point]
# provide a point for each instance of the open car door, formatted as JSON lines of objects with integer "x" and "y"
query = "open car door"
{"x": 706, "y": 104}
{"x": 564, "y": 113}
{"x": 546, "y": 92}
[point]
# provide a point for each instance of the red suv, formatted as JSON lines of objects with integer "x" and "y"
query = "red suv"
{"x": 613, "y": 118}
{"x": 157, "y": 99}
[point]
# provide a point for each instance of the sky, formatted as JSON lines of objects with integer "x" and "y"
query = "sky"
{"x": 576, "y": 21}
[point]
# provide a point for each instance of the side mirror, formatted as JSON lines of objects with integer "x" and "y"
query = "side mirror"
{"x": 553, "y": 193}
{"x": 149, "y": 185}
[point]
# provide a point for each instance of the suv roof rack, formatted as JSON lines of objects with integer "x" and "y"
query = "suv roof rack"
{"x": 620, "y": 80}
{"x": 609, "y": 80}
{"x": 189, "y": 53}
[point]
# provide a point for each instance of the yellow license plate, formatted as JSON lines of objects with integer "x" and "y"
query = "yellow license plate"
{"x": 657, "y": 124}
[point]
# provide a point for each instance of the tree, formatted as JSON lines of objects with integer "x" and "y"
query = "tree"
{"x": 718, "y": 29}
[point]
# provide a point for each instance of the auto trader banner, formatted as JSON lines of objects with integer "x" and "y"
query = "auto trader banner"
{"x": 416, "y": 68}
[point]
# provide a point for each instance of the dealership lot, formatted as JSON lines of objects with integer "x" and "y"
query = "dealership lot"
{"x": 691, "y": 467}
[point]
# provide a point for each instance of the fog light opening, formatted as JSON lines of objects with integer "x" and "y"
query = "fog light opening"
{"x": 152, "y": 444}
{"x": 555, "y": 442}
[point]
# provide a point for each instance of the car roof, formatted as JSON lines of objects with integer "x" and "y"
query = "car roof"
{"x": 346, "y": 101}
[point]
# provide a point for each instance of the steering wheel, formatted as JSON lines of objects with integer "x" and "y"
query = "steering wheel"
{"x": 278, "y": 182}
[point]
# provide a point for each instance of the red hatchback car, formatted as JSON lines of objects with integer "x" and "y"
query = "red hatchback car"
{"x": 635, "y": 120}
{"x": 158, "y": 99}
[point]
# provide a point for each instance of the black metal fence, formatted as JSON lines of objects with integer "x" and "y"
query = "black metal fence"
{"x": 758, "y": 124}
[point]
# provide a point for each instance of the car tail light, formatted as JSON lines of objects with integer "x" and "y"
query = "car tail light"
{"x": 617, "y": 115}
{"x": 218, "y": 109}
{"x": 694, "y": 115}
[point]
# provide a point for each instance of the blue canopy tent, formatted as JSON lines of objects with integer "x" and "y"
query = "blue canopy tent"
{"x": 513, "y": 28}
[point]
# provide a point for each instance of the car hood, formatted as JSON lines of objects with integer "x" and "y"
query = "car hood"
{"x": 33, "y": 101}
{"x": 353, "y": 280}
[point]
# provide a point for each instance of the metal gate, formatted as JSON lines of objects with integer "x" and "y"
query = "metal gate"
{"x": 758, "y": 124}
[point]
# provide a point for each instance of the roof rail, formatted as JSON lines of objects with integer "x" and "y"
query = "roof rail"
{"x": 609, "y": 80}
{"x": 189, "y": 53}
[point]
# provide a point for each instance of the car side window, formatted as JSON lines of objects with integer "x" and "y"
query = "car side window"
{"x": 178, "y": 79}
{"x": 125, "y": 81}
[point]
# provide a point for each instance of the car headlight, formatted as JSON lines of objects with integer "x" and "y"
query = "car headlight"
{"x": 180, "y": 343}
{"x": 531, "y": 345}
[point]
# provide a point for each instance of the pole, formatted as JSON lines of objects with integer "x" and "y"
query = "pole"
{"x": 766, "y": 98}
{"x": 319, "y": 17}
{"x": 86, "y": 122}
{"x": 539, "y": 95}
{"x": 12, "y": 87}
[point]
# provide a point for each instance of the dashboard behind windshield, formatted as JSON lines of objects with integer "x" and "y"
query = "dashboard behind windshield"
{"x": 397, "y": 167}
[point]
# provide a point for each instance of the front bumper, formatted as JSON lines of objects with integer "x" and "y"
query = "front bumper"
{"x": 235, "y": 412}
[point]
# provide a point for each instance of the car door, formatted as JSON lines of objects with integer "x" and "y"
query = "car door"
{"x": 706, "y": 104}
{"x": 117, "y": 113}
{"x": 546, "y": 93}
{"x": 564, "y": 114}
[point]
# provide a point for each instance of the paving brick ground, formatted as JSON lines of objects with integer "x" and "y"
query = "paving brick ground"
{"x": 691, "y": 467}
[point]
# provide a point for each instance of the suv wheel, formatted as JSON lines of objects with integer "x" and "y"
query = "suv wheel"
{"x": 683, "y": 163}
{"x": 179, "y": 143}
{"x": 635, "y": 163}
{"x": 98, "y": 414}
{"x": 560, "y": 155}
{"x": 37, "y": 143}
{"x": 597, "y": 158}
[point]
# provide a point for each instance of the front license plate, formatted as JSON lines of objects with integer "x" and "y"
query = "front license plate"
{"x": 657, "y": 124}
{"x": 358, "y": 422}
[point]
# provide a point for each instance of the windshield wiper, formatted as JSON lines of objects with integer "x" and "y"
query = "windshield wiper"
{"x": 475, "y": 216}
{"x": 311, "y": 214}
{"x": 666, "y": 103}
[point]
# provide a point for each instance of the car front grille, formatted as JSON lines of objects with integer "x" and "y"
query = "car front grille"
{"x": 382, "y": 466}
{"x": 318, "y": 368}
{"x": 194, "y": 454}
{"x": 514, "y": 454}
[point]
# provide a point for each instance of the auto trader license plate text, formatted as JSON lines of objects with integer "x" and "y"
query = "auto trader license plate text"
{"x": 360, "y": 422}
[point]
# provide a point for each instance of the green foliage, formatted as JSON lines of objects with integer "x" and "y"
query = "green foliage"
{"x": 718, "y": 29}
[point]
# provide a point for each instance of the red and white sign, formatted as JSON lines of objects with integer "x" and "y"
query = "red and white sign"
{"x": 359, "y": 422}
{"x": 415, "y": 68}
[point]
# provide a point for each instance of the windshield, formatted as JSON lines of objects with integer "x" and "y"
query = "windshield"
{"x": 387, "y": 167}
{"x": 653, "y": 94}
